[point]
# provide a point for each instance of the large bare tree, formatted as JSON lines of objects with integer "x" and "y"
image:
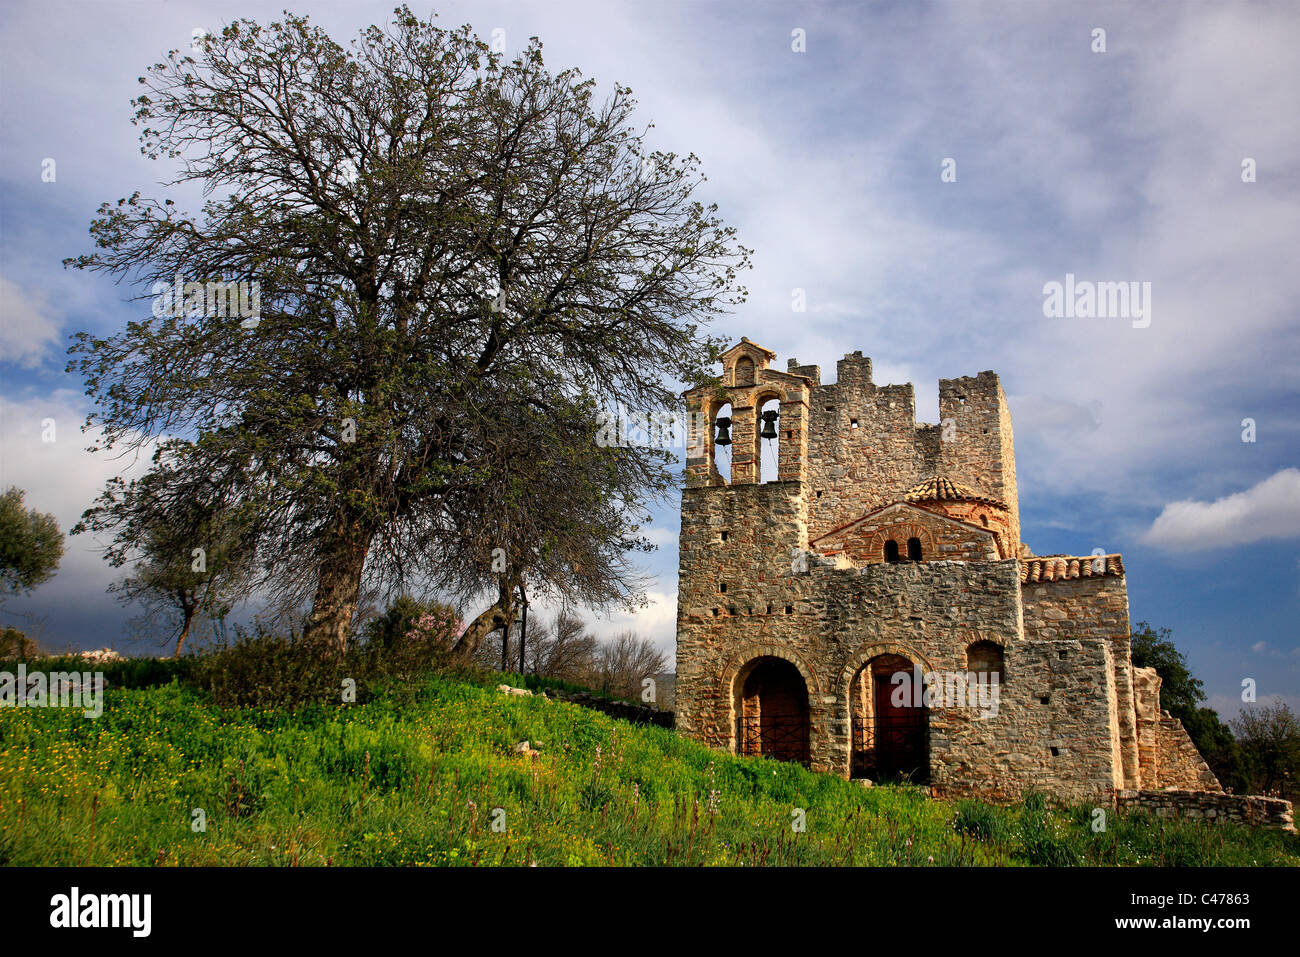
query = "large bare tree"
{"x": 458, "y": 257}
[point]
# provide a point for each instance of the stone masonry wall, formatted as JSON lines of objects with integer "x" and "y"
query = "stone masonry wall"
{"x": 1053, "y": 730}
{"x": 981, "y": 514}
{"x": 1146, "y": 696}
{"x": 1181, "y": 765}
{"x": 865, "y": 448}
{"x": 1093, "y": 607}
{"x": 735, "y": 570}
{"x": 1073, "y": 716}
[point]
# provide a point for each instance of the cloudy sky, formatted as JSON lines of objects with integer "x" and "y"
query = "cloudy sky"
{"x": 1128, "y": 164}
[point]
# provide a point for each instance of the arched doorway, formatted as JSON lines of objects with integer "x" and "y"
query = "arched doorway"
{"x": 772, "y": 713}
{"x": 890, "y": 722}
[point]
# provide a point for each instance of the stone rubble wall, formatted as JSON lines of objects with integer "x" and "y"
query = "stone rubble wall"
{"x": 853, "y": 469}
{"x": 1215, "y": 807}
{"x": 625, "y": 710}
{"x": 1053, "y": 731}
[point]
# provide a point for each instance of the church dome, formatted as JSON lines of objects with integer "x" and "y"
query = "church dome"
{"x": 940, "y": 489}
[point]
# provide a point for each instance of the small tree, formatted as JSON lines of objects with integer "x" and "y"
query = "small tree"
{"x": 1180, "y": 691}
{"x": 407, "y": 615}
{"x": 625, "y": 662}
{"x": 1269, "y": 737}
{"x": 191, "y": 555}
{"x": 31, "y": 545}
{"x": 14, "y": 644}
{"x": 563, "y": 649}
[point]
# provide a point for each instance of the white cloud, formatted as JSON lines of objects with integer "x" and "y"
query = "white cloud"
{"x": 62, "y": 479}
{"x": 1229, "y": 707}
{"x": 28, "y": 327}
{"x": 662, "y": 537}
{"x": 657, "y": 621}
{"x": 1268, "y": 510}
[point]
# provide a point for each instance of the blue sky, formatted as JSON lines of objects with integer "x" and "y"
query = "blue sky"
{"x": 1123, "y": 165}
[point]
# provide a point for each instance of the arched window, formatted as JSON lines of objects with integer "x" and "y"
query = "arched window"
{"x": 891, "y": 551}
{"x": 744, "y": 374}
{"x": 913, "y": 549}
{"x": 986, "y": 657}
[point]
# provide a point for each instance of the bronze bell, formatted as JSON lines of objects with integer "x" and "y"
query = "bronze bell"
{"x": 724, "y": 425}
{"x": 769, "y": 423}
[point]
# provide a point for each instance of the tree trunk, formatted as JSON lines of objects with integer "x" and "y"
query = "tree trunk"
{"x": 500, "y": 615}
{"x": 342, "y": 559}
{"x": 188, "y": 610}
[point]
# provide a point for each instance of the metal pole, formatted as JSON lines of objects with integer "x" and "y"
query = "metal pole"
{"x": 523, "y": 626}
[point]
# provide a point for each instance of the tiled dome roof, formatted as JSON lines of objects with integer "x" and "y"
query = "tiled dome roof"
{"x": 940, "y": 489}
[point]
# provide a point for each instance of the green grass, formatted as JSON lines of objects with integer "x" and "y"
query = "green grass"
{"x": 415, "y": 783}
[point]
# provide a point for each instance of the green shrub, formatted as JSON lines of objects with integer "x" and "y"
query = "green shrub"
{"x": 982, "y": 821}
{"x": 1045, "y": 839}
{"x": 266, "y": 670}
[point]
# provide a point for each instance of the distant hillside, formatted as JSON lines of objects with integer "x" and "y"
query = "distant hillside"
{"x": 165, "y": 777}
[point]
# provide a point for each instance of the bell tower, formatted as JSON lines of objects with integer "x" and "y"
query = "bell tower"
{"x": 748, "y": 381}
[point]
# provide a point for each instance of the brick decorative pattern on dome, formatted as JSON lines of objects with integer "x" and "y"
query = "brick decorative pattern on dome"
{"x": 940, "y": 489}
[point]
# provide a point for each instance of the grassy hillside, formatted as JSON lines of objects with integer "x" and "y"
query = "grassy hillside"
{"x": 417, "y": 782}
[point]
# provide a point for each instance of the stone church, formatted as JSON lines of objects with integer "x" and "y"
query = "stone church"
{"x": 868, "y": 608}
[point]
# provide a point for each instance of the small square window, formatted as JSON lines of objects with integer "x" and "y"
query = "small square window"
{"x": 1064, "y": 655}
{"x": 789, "y": 609}
{"x": 853, "y": 423}
{"x": 722, "y": 586}
{"x": 1045, "y": 699}
{"x": 725, "y": 535}
{"x": 1056, "y": 752}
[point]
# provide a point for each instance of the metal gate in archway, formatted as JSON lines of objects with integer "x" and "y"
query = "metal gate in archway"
{"x": 773, "y": 718}
{"x": 890, "y": 738}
